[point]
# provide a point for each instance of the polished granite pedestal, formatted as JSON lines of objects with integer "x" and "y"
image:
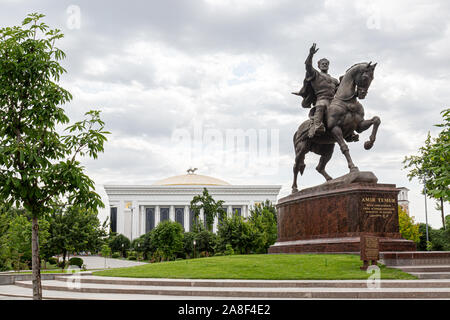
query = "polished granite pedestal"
{"x": 332, "y": 216}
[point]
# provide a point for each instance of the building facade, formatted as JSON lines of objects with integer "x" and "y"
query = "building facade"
{"x": 403, "y": 199}
{"x": 137, "y": 209}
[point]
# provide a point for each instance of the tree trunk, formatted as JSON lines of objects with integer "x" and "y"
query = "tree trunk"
{"x": 64, "y": 260}
{"x": 36, "y": 263}
{"x": 442, "y": 212}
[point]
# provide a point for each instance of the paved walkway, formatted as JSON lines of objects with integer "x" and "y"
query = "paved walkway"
{"x": 96, "y": 262}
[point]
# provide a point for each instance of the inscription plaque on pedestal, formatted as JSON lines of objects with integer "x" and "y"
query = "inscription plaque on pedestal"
{"x": 370, "y": 250}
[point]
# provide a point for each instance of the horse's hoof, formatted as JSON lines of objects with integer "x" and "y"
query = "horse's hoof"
{"x": 294, "y": 190}
{"x": 368, "y": 145}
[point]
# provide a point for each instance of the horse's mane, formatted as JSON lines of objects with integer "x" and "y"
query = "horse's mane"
{"x": 356, "y": 64}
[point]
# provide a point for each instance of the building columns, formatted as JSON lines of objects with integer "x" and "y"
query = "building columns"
{"x": 186, "y": 218}
{"x": 134, "y": 220}
{"x": 121, "y": 217}
{"x": 156, "y": 216}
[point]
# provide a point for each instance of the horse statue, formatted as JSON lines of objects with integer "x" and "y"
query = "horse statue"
{"x": 343, "y": 117}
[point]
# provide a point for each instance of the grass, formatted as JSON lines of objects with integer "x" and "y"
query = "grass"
{"x": 259, "y": 266}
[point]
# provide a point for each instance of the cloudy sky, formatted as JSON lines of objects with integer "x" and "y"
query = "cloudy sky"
{"x": 179, "y": 81}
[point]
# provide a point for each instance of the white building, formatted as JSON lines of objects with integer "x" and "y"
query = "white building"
{"x": 137, "y": 209}
{"x": 403, "y": 199}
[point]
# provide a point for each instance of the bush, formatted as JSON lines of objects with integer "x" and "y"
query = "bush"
{"x": 119, "y": 243}
{"x": 75, "y": 261}
{"x": 132, "y": 255}
{"x": 52, "y": 260}
{"x": 115, "y": 255}
{"x": 168, "y": 238}
{"x": 242, "y": 236}
{"x": 188, "y": 243}
{"x": 205, "y": 242}
{"x": 407, "y": 227}
{"x": 228, "y": 250}
{"x": 147, "y": 245}
{"x": 264, "y": 219}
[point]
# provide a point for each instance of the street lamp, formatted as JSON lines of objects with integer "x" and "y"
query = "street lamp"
{"x": 194, "y": 248}
{"x": 139, "y": 250}
{"x": 426, "y": 213}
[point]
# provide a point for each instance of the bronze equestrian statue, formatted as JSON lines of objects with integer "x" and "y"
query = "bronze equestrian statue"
{"x": 338, "y": 112}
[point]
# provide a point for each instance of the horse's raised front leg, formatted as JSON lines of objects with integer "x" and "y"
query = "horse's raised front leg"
{"x": 364, "y": 125}
{"x": 338, "y": 136}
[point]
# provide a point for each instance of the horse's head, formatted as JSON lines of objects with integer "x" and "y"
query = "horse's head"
{"x": 363, "y": 79}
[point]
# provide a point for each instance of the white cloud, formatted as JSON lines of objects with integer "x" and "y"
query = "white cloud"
{"x": 157, "y": 67}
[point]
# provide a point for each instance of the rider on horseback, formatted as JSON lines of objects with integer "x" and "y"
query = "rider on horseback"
{"x": 318, "y": 89}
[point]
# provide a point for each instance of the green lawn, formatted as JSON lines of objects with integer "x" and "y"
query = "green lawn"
{"x": 258, "y": 266}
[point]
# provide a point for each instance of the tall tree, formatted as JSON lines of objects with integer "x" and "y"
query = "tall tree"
{"x": 432, "y": 164}
{"x": 264, "y": 217}
{"x": 74, "y": 229}
{"x": 211, "y": 208}
{"x": 38, "y": 166}
{"x": 407, "y": 227}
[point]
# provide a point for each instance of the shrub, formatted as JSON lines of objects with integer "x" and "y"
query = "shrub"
{"x": 407, "y": 227}
{"x": 157, "y": 256}
{"x": 205, "y": 242}
{"x": 228, "y": 250}
{"x": 115, "y": 255}
{"x": 147, "y": 245}
{"x": 75, "y": 261}
{"x": 188, "y": 243}
{"x": 264, "y": 218}
{"x": 52, "y": 260}
{"x": 168, "y": 238}
{"x": 119, "y": 243}
{"x": 243, "y": 236}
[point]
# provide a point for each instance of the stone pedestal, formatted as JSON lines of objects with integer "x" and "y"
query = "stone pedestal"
{"x": 331, "y": 217}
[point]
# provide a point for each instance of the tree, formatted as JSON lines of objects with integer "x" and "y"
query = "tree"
{"x": 19, "y": 239}
{"x": 432, "y": 163}
{"x": 211, "y": 208}
{"x": 264, "y": 218}
{"x": 147, "y": 244}
{"x": 119, "y": 243}
{"x": 408, "y": 229}
{"x": 38, "y": 166}
{"x": 205, "y": 242}
{"x": 241, "y": 235}
{"x": 5, "y": 259}
{"x": 73, "y": 229}
{"x": 439, "y": 239}
{"x": 168, "y": 239}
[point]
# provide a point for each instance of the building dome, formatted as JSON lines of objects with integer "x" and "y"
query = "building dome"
{"x": 191, "y": 179}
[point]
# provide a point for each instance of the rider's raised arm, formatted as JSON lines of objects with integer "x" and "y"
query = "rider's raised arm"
{"x": 308, "y": 63}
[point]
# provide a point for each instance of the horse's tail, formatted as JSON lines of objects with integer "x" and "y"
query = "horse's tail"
{"x": 301, "y": 135}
